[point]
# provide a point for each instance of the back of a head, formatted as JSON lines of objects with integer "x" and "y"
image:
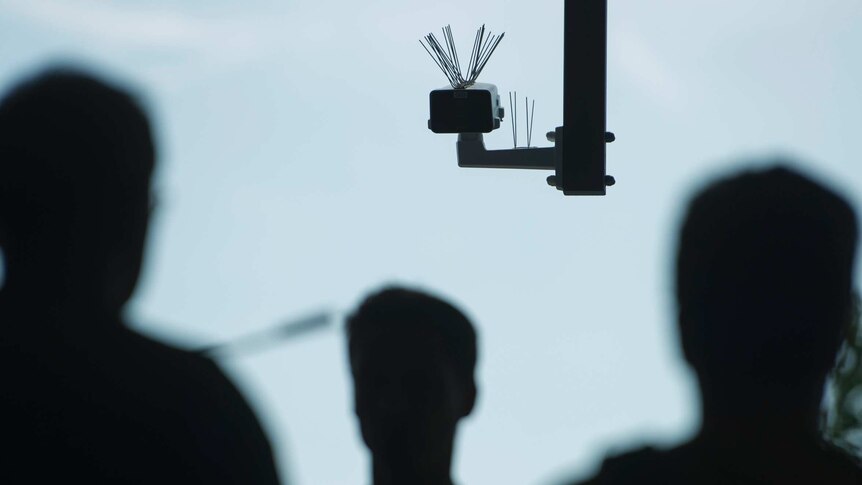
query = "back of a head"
{"x": 412, "y": 356}
{"x": 398, "y": 318}
{"x": 764, "y": 280}
{"x": 76, "y": 156}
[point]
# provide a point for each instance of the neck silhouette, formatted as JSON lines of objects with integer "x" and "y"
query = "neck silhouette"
{"x": 430, "y": 468}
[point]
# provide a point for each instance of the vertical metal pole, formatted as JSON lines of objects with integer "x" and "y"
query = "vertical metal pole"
{"x": 581, "y": 164}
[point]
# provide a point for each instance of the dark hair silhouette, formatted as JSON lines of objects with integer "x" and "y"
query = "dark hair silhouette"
{"x": 413, "y": 358}
{"x": 84, "y": 398}
{"x": 764, "y": 288}
{"x": 74, "y": 190}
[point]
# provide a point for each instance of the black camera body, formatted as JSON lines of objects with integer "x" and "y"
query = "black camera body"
{"x": 475, "y": 109}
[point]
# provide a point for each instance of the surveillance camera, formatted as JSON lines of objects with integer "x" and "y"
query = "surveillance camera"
{"x": 471, "y": 109}
{"x": 474, "y": 109}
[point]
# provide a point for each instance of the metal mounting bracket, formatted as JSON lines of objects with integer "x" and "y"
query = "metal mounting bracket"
{"x": 472, "y": 153}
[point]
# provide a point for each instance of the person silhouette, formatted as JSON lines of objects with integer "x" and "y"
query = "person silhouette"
{"x": 412, "y": 357}
{"x": 764, "y": 291}
{"x": 84, "y": 398}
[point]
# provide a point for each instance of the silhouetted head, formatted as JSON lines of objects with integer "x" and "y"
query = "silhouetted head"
{"x": 76, "y": 156}
{"x": 764, "y": 286}
{"x": 412, "y": 357}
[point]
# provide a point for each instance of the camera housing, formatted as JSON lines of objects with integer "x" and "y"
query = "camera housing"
{"x": 474, "y": 109}
{"x": 471, "y": 109}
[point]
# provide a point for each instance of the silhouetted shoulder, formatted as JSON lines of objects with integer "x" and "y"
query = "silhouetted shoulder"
{"x": 225, "y": 431}
{"x": 690, "y": 464}
{"x": 117, "y": 407}
{"x": 847, "y": 469}
{"x": 644, "y": 465}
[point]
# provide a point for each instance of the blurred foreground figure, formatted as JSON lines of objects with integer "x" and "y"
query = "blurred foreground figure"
{"x": 412, "y": 357}
{"x": 764, "y": 291}
{"x": 83, "y": 399}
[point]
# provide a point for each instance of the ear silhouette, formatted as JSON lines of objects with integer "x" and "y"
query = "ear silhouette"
{"x": 469, "y": 399}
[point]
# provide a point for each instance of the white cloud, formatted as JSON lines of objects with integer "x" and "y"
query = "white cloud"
{"x": 632, "y": 54}
{"x": 223, "y": 39}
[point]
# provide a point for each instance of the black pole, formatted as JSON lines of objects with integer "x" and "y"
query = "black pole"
{"x": 581, "y": 163}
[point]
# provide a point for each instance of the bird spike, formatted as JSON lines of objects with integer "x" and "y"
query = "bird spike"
{"x": 529, "y": 114}
{"x": 445, "y": 55}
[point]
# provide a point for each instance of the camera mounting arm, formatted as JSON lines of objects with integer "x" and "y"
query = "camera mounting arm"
{"x": 472, "y": 154}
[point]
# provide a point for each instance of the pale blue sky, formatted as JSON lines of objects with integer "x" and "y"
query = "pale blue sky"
{"x": 297, "y": 173}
